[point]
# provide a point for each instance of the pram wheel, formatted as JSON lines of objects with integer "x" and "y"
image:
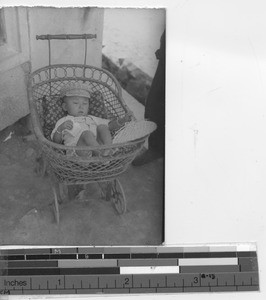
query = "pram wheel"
{"x": 115, "y": 193}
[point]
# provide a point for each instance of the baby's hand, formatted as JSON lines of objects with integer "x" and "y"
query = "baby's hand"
{"x": 66, "y": 125}
{"x": 128, "y": 117}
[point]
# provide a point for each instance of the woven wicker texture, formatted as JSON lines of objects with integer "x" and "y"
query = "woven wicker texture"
{"x": 52, "y": 112}
{"x": 78, "y": 170}
{"x": 45, "y": 84}
{"x": 98, "y": 80}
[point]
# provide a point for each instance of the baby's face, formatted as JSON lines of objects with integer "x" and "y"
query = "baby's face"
{"x": 76, "y": 106}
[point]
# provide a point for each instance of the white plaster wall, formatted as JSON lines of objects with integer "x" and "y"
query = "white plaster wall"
{"x": 13, "y": 96}
{"x": 14, "y": 55}
{"x": 44, "y": 20}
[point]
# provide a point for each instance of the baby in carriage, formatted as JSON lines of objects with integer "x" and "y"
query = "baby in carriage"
{"x": 78, "y": 128}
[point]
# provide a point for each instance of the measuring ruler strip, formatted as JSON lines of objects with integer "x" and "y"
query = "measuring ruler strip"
{"x": 26, "y": 270}
{"x": 140, "y": 283}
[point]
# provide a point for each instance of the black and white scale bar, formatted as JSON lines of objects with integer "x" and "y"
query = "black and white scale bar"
{"x": 59, "y": 271}
{"x": 113, "y": 266}
{"x": 128, "y": 270}
{"x": 118, "y": 253}
{"x": 127, "y": 255}
{"x": 207, "y": 254}
{"x": 15, "y": 267}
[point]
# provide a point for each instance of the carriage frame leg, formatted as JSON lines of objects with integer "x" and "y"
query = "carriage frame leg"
{"x": 60, "y": 193}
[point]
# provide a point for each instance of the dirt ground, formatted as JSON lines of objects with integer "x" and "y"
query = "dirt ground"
{"x": 26, "y": 201}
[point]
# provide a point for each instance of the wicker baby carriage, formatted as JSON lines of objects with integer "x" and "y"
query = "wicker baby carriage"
{"x": 44, "y": 87}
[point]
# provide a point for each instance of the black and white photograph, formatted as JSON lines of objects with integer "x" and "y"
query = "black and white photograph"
{"x": 132, "y": 141}
{"x": 82, "y": 120}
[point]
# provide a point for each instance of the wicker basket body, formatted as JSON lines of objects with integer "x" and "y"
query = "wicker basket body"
{"x": 71, "y": 169}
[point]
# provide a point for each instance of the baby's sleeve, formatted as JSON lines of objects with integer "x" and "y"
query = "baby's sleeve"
{"x": 100, "y": 121}
{"x": 58, "y": 123}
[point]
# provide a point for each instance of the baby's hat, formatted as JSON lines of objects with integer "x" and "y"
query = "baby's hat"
{"x": 75, "y": 89}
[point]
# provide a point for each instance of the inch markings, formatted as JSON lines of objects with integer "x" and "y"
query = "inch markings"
{"x": 128, "y": 283}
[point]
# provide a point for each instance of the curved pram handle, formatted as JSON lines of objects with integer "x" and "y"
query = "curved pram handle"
{"x": 66, "y": 36}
